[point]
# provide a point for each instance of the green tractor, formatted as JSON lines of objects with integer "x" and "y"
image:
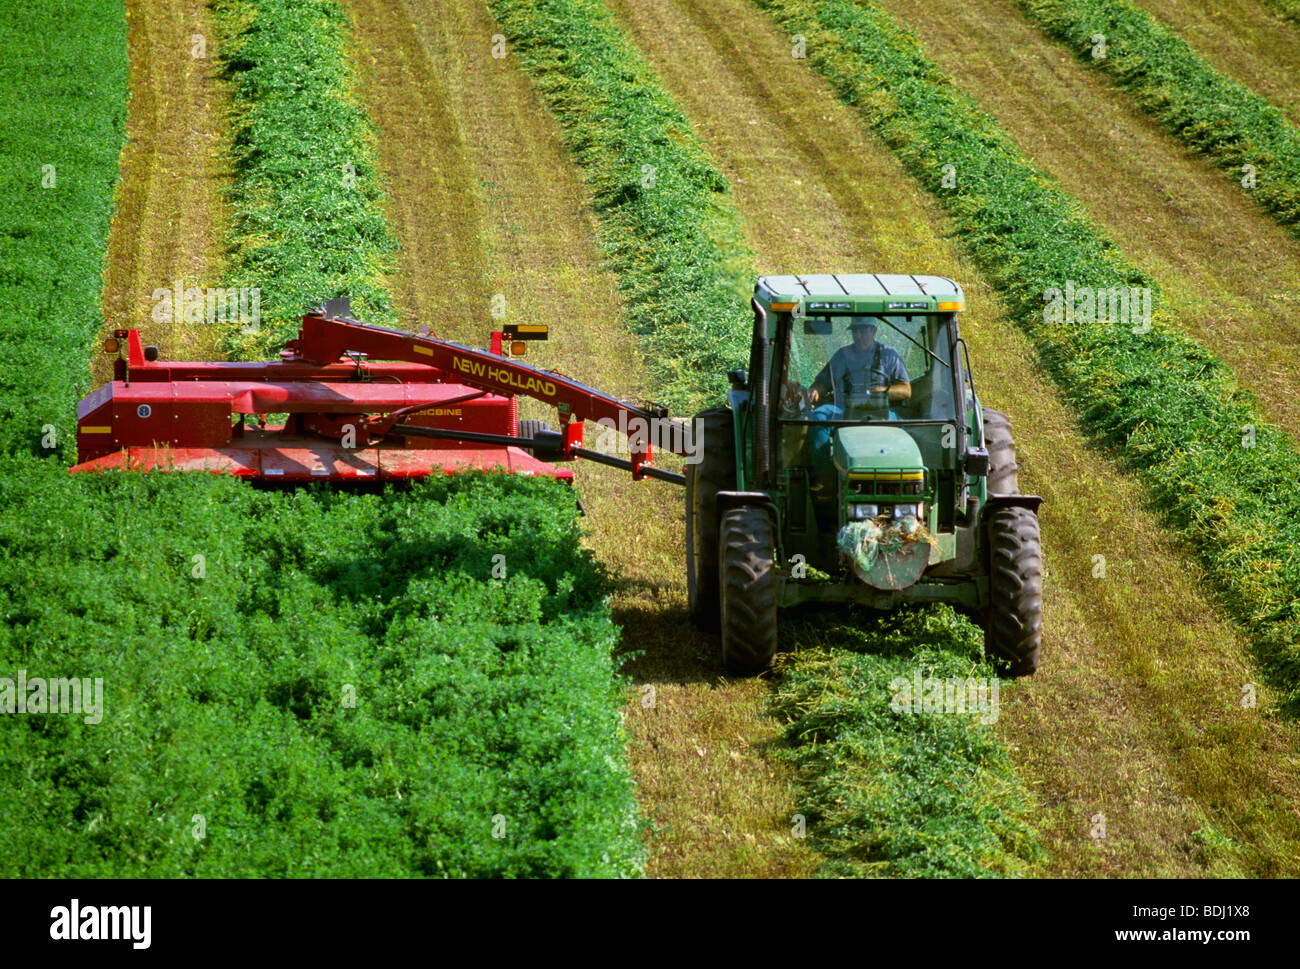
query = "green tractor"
{"x": 854, "y": 463}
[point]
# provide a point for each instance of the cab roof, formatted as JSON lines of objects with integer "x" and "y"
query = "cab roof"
{"x": 860, "y": 293}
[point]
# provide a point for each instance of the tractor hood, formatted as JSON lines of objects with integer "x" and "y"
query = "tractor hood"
{"x": 870, "y": 449}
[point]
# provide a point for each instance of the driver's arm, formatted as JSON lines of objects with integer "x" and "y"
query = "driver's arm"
{"x": 900, "y": 387}
{"x": 900, "y": 390}
{"x": 821, "y": 384}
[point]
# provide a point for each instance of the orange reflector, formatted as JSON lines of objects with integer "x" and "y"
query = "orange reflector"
{"x": 518, "y": 348}
{"x": 784, "y": 307}
{"x": 110, "y": 345}
{"x": 96, "y": 430}
{"x": 952, "y": 307}
{"x": 419, "y": 349}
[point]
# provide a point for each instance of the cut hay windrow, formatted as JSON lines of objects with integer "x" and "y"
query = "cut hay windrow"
{"x": 667, "y": 221}
{"x": 902, "y": 773}
{"x": 1237, "y": 129}
{"x": 883, "y": 792}
{"x": 1221, "y": 475}
{"x": 307, "y": 224}
{"x": 63, "y": 92}
{"x": 288, "y": 683}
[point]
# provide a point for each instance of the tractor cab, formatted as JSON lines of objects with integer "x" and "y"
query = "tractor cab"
{"x": 865, "y": 423}
{"x": 868, "y": 367}
{"x": 842, "y": 370}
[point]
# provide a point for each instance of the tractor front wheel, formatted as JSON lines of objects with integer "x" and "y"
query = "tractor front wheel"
{"x": 747, "y": 589}
{"x": 1013, "y": 629}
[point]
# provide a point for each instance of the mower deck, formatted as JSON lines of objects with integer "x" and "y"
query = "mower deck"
{"x": 353, "y": 403}
{"x": 268, "y": 455}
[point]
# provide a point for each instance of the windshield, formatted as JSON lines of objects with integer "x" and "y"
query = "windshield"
{"x": 863, "y": 368}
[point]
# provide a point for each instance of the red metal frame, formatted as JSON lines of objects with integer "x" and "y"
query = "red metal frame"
{"x": 344, "y": 411}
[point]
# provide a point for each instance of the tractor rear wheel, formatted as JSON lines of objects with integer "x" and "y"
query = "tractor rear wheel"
{"x": 1002, "y": 454}
{"x": 715, "y": 472}
{"x": 1013, "y": 629}
{"x": 747, "y": 589}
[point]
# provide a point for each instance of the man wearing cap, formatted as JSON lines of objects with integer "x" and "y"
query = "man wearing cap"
{"x": 863, "y": 365}
{"x": 852, "y": 372}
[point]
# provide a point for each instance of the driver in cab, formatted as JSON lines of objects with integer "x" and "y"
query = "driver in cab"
{"x": 853, "y": 372}
{"x": 861, "y": 366}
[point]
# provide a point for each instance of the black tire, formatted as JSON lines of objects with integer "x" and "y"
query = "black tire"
{"x": 530, "y": 429}
{"x": 1013, "y": 629}
{"x": 747, "y": 589}
{"x": 715, "y": 472}
{"x": 1001, "y": 446}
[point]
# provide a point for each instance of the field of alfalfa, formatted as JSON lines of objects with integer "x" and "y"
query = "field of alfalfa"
{"x": 343, "y": 688}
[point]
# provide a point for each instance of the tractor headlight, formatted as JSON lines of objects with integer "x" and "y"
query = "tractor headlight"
{"x": 861, "y": 512}
{"x": 905, "y": 511}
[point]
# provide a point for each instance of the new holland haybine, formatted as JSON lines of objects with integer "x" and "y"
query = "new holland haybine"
{"x": 359, "y": 403}
{"x": 853, "y": 461}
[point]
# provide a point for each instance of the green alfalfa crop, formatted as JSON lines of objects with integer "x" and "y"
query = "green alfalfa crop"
{"x": 667, "y": 221}
{"x": 307, "y": 222}
{"x": 1222, "y": 475}
{"x": 63, "y": 92}
{"x": 1237, "y": 129}
{"x": 309, "y": 684}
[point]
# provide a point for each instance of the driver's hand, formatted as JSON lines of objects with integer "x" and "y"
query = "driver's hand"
{"x": 814, "y": 395}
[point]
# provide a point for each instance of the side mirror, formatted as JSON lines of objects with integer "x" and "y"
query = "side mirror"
{"x": 817, "y": 326}
{"x": 739, "y": 379}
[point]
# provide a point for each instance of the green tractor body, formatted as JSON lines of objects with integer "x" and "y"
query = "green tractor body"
{"x": 854, "y": 463}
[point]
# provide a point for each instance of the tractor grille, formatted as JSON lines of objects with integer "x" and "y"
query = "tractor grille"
{"x": 882, "y": 483}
